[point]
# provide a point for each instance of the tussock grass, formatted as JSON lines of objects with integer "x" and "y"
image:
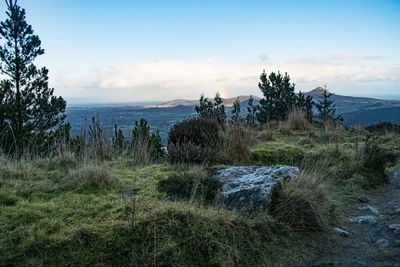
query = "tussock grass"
{"x": 236, "y": 145}
{"x": 90, "y": 175}
{"x": 303, "y": 203}
{"x": 297, "y": 121}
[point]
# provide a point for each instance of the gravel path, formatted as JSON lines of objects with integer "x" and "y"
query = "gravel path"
{"x": 371, "y": 235}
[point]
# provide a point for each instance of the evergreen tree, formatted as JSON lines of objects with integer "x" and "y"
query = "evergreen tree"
{"x": 216, "y": 110}
{"x": 118, "y": 140}
{"x": 251, "y": 113}
{"x": 143, "y": 139}
{"x": 279, "y": 97}
{"x": 30, "y": 113}
{"x": 205, "y": 107}
{"x": 267, "y": 104}
{"x": 235, "y": 118}
{"x": 325, "y": 107}
{"x": 308, "y": 108}
{"x": 301, "y": 101}
{"x": 219, "y": 110}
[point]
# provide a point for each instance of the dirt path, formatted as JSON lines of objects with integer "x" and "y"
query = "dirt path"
{"x": 373, "y": 227}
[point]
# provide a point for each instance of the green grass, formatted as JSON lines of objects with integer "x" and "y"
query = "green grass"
{"x": 48, "y": 221}
{"x": 112, "y": 214}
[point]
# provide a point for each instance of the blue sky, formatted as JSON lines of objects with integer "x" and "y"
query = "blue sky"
{"x": 112, "y": 51}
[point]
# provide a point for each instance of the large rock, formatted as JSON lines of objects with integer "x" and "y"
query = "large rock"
{"x": 249, "y": 188}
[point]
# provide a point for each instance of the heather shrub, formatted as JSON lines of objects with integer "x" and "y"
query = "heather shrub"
{"x": 195, "y": 140}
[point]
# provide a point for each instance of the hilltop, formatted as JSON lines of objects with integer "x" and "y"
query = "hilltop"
{"x": 192, "y": 103}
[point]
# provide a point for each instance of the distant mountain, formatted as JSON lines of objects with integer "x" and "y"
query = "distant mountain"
{"x": 191, "y": 103}
{"x": 346, "y": 104}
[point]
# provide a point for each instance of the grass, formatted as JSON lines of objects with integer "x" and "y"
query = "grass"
{"x": 112, "y": 213}
{"x": 55, "y": 224}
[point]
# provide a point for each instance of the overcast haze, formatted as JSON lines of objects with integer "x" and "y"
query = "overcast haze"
{"x": 129, "y": 51}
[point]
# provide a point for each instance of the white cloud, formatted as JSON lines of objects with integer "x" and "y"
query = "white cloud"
{"x": 167, "y": 78}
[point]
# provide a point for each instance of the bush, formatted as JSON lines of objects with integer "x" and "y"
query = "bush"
{"x": 92, "y": 175}
{"x": 384, "y": 128}
{"x": 303, "y": 203}
{"x": 190, "y": 185}
{"x": 194, "y": 140}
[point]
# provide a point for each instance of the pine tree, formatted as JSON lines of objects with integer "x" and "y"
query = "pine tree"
{"x": 251, "y": 113}
{"x": 216, "y": 110}
{"x": 279, "y": 97}
{"x": 235, "y": 118}
{"x": 308, "y": 108}
{"x": 267, "y": 104}
{"x": 301, "y": 101}
{"x": 219, "y": 110}
{"x": 325, "y": 107}
{"x": 30, "y": 113}
{"x": 205, "y": 107}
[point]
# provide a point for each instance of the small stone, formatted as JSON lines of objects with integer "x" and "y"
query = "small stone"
{"x": 367, "y": 219}
{"x": 395, "y": 228}
{"x": 363, "y": 199}
{"x": 340, "y": 232}
{"x": 383, "y": 243}
{"x": 370, "y": 208}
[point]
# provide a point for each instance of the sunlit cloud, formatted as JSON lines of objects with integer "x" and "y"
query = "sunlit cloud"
{"x": 168, "y": 79}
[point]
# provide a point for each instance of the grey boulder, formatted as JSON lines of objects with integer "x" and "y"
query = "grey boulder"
{"x": 250, "y": 188}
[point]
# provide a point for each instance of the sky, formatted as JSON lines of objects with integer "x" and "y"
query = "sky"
{"x": 132, "y": 51}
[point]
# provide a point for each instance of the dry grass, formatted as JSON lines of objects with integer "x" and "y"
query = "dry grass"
{"x": 303, "y": 203}
{"x": 91, "y": 174}
{"x": 265, "y": 135}
{"x": 296, "y": 121}
{"x": 236, "y": 144}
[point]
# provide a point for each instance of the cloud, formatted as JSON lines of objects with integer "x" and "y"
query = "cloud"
{"x": 168, "y": 79}
{"x": 263, "y": 58}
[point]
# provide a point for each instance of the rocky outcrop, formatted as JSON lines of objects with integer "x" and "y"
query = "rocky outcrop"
{"x": 250, "y": 188}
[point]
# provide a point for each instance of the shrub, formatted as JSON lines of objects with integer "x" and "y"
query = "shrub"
{"x": 303, "y": 203}
{"x": 92, "y": 175}
{"x": 194, "y": 140}
{"x": 8, "y": 198}
{"x": 384, "y": 128}
{"x": 188, "y": 185}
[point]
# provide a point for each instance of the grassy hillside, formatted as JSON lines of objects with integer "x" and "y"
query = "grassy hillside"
{"x": 60, "y": 211}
